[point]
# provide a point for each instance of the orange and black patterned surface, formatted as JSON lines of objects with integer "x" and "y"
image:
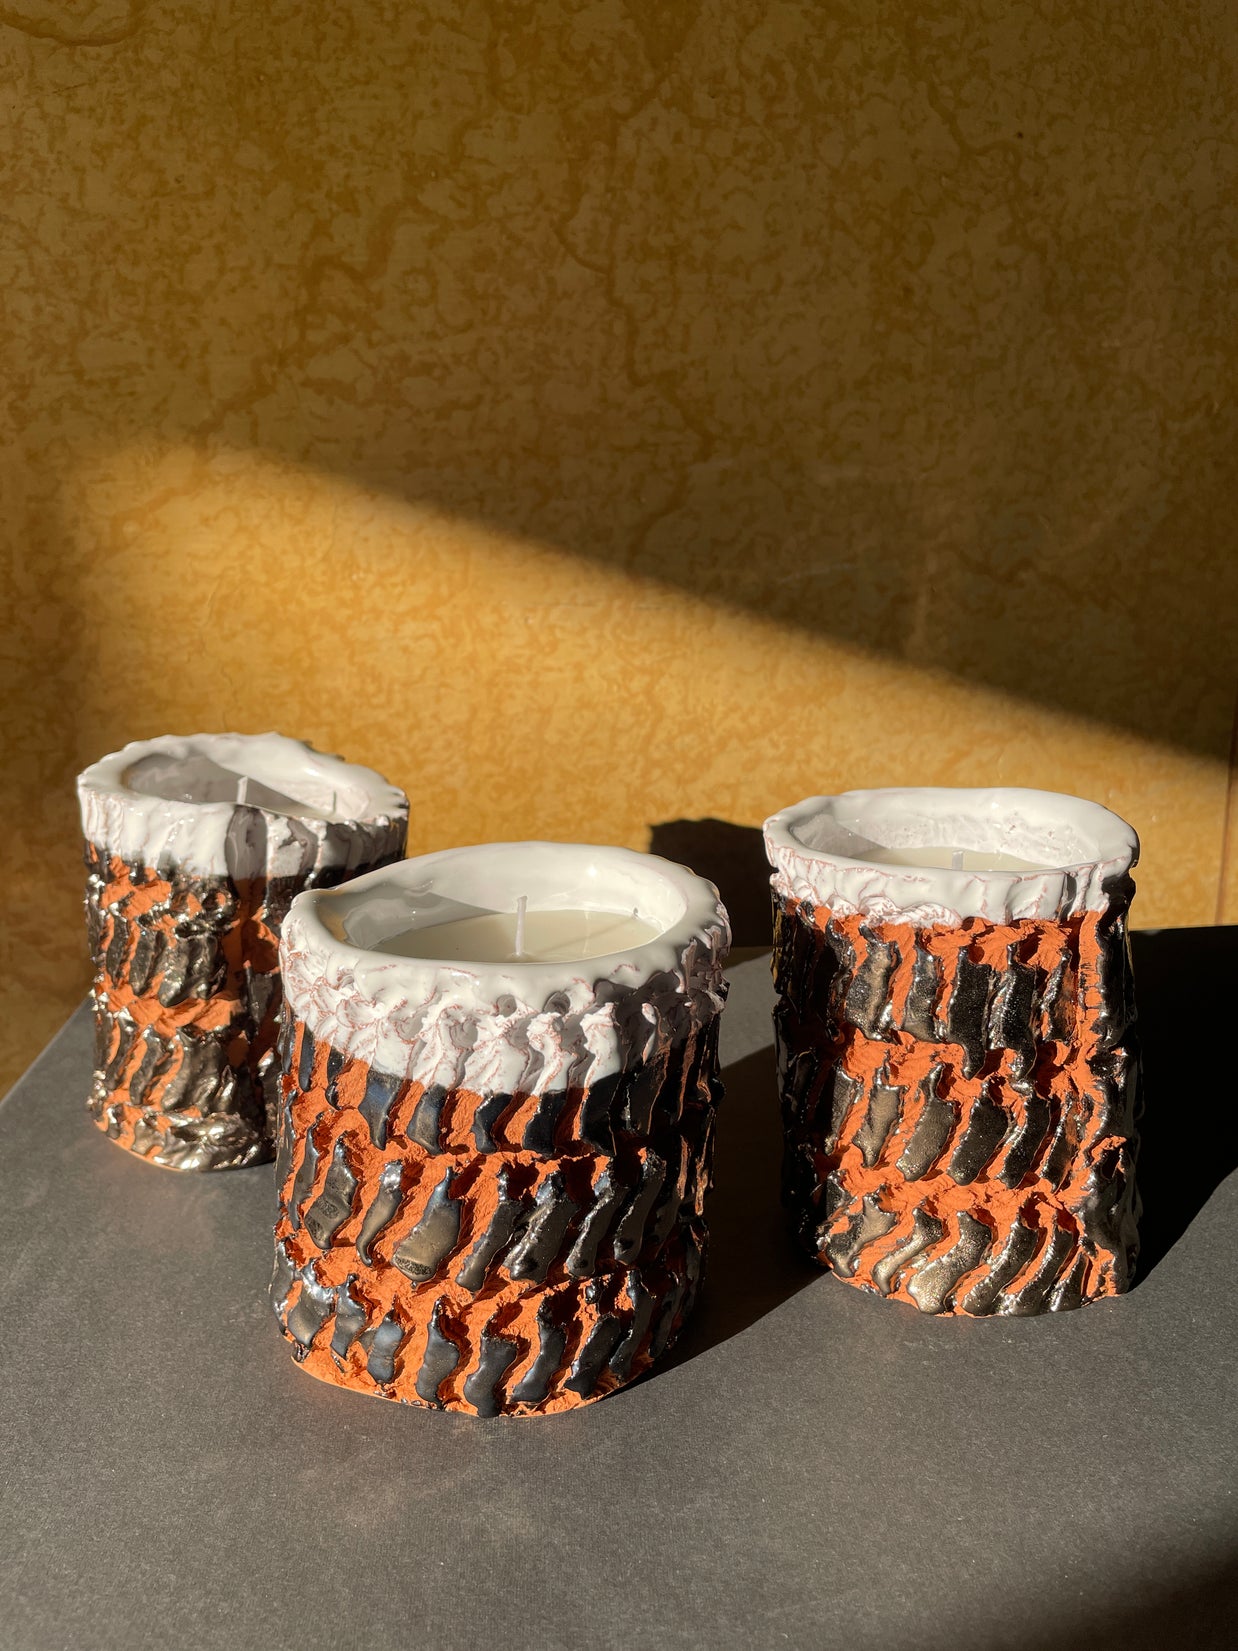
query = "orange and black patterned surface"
{"x": 960, "y": 1105}
{"x": 186, "y": 999}
{"x": 500, "y": 1254}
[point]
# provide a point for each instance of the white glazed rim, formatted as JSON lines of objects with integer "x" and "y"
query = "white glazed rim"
{"x": 483, "y": 1026}
{"x": 1022, "y": 822}
{"x": 700, "y": 916}
{"x": 105, "y": 778}
{"x": 1116, "y": 842}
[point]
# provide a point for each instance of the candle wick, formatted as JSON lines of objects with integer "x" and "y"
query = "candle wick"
{"x": 242, "y": 790}
{"x": 334, "y": 794}
{"x": 956, "y": 860}
{"x": 521, "y": 906}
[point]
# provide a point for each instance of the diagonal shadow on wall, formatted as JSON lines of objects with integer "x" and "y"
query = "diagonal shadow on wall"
{"x": 859, "y": 326}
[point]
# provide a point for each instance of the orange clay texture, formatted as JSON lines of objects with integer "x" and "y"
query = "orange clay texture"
{"x": 959, "y": 1106}
{"x": 426, "y": 1253}
{"x": 186, "y": 1001}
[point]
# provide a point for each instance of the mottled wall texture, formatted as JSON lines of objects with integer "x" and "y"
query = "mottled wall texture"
{"x": 602, "y": 413}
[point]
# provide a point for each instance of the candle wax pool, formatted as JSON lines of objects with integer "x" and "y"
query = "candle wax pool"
{"x": 198, "y": 779}
{"x": 549, "y": 937}
{"x": 945, "y": 858}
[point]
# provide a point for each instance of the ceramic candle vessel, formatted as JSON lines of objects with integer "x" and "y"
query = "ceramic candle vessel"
{"x": 186, "y": 888}
{"x": 957, "y": 1055}
{"x": 492, "y": 1175}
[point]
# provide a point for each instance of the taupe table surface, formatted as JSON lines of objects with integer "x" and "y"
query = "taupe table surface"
{"x": 814, "y": 1467}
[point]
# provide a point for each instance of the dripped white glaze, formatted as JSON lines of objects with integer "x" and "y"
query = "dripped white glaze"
{"x": 819, "y": 851}
{"x": 352, "y": 815}
{"x": 506, "y": 1026}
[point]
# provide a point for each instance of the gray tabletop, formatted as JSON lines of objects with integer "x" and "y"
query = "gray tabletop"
{"x": 813, "y": 1467}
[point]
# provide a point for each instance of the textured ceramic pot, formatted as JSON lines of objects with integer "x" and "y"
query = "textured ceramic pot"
{"x": 492, "y": 1177}
{"x": 958, "y": 1064}
{"x": 186, "y": 888}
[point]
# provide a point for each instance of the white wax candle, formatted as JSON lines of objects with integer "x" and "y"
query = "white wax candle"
{"x": 952, "y": 859}
{"x": 938, "y": 855}
{"x": 200, "y": 779}
{"x": 548, "y": 937}
{"x": 431, "y": 942}
{"x": 240, "y": 805}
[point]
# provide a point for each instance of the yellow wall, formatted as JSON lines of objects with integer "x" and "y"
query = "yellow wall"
{"x": 595, "y": 415}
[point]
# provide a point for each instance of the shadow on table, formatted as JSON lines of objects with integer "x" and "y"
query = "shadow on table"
{"x": 1195, "y": 1609}
{"x": 753, "y": 1263}
{"x": 754, "y": 1266}
{"x": 1189, "y": 1135}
